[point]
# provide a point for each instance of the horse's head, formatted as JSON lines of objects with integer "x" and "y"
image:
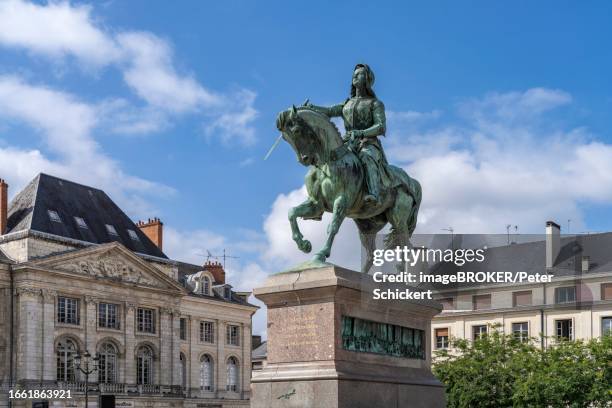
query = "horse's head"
{"x": 309, "y": 133}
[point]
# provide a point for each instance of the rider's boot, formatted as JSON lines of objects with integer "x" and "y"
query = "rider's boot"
{"x": 373, "y": 184}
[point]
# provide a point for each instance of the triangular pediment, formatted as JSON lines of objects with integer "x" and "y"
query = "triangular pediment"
{"x": 112, "y": 262}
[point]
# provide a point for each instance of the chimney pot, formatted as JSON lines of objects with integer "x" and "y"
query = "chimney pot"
{"x": 154, "y": 230}
{"x": 3, "y": 206}
{"x": 553, "y": 243}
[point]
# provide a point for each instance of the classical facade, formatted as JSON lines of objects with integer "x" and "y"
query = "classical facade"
{"x": 77, "y": 275}
{"x": 575, "y": 304}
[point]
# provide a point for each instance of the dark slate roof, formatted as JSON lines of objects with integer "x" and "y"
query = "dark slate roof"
{"x": 530, "y": 257}
{"x": 29, "y": 210}
{"x": 260, "y": 352}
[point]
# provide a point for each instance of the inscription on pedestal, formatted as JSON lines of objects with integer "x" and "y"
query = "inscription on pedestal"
{"x": 297, "y": 333}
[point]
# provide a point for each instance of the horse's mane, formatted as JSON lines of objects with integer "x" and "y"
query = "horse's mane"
{"x": 321, "y": 122}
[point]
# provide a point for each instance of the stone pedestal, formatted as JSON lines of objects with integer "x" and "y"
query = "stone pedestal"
{"x": 310, "y": 362}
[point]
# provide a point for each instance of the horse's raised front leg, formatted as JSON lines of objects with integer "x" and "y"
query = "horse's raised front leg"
{"x": 308, "y": 209}
{"x": 332, "y": 229}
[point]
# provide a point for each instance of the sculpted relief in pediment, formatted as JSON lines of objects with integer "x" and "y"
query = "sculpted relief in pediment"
{"x": 110, "y": 267}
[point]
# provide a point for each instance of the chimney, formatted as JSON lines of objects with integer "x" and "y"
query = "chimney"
{"x": 154, "y": 229}
{"x": 217, "y": 271}
{"x": 255, "y": 341}
{"x": 586, "y": 263}
{"x": 553, "y": 242}
{"x": 3, "y": 206}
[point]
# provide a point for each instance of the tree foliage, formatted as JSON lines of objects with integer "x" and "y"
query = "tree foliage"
{"x": 498, "y": 370}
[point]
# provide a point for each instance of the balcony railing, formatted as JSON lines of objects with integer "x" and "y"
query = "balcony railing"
{"x": 122, "y": 388}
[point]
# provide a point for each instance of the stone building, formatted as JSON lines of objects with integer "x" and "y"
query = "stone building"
{"x": 77, "y": 275}
{"x": 576, "y": 304}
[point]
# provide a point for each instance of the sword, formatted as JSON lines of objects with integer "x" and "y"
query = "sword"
{"x": 278, "y": 139}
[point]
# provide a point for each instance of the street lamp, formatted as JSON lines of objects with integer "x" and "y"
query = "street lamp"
{"x": 83, "y": 364}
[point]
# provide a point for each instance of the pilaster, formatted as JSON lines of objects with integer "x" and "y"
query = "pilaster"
{"x": 49, "y": 369}
{"x": 130, "y": 343}
{"x": 29, "y": 356}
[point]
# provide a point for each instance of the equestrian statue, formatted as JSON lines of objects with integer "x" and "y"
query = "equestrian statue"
{"x": 349, "y": 176}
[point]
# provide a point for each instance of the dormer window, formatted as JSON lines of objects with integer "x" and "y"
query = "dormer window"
{"x": 133, "y": 235}
{"x": 111, "y": 230}
{"x": 227, "y": 293}
{"x": 206, "y": 286}
{"x": 81, "y": 222}
{"x": 54, "y": 216}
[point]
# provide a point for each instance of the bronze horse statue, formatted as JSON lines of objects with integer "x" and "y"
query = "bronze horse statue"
{"x": 336, "y": 183}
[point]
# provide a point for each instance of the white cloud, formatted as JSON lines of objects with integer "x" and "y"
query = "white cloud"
{"x": 65, "y": 124}
{"x": 59, "y": 30}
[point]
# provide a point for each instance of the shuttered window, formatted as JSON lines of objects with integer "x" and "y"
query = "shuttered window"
{"x": 606, "y": 291}
{"x": 522, "y": 298}
{"x": 482, "y": 302}
{"x": 442, "y": 338}
{"x": 447, "y": 304}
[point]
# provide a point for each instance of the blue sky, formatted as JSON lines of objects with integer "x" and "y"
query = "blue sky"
{"x": 501, "y": 109}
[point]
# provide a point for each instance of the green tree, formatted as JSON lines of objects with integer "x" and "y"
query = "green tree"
{"x": 498, "y": 370}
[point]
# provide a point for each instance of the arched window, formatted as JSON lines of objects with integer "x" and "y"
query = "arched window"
{"x": 232, "y": 374}
{"x": 206, "y": 286}
{"x": 107, "y": 365}
{"x": 144, "y": 365}
{"x": 206, "y": 373}
{"x": 66, "y": 350}
{"x": 183, "y": 370}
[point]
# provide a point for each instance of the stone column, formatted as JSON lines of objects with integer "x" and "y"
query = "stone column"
{"x": 49, "y": 369}
{"x": 219, "y": 366}
{"x": 245, "y": 375}
{"x": 29, "y": 358}
{"x": 90, "y": 331}
{"x": 130, "y": 343}
{"x": 176, "y": 348}
{"x": 165, "y": 346}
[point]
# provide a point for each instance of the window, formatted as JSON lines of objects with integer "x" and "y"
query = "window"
{"x": 447, "y": 304}
{"x": 144, "y": 365}
{"x": 67, "y": 310}
{"x": 478, "y": 331}
{"x": 206, "y": 286}
{"x": 133, "y": 235}
{"x": 108, "y": 316}
{"x": 481, "y": 302}
{"x": 228, "y": 292}
{"x": 80, "y": 222}
{"x": 183, "y": 361}
{"x": 606, "y": 291}
{"x": 233, "y": 335}
{"x": 606, "y": 326}
{"x": 146, "y": 320}
{"x": 183, "y": 331}
{"x": 442, "y": 338}
{"x": 207, "y": 332}
{"x": 522, "y": 298}
{"x": 206, "y": 373}
{"x": 565, "y": 329}
{"x": 66, "y": 350}
{"x": 566, "y": 294}
{"x": 54, "y": 216}
{"x": 111, "y": 230}
{"x": 232, "y": 374}
{"x": 107, "y": 365}
{"x": 520, "y": 331}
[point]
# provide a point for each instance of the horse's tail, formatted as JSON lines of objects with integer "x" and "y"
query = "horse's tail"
{"x": 412, "y": 187}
